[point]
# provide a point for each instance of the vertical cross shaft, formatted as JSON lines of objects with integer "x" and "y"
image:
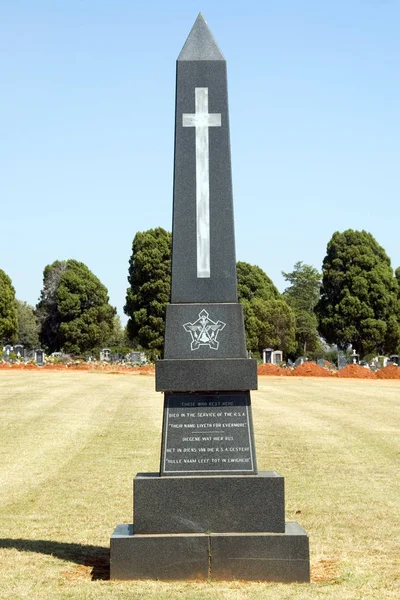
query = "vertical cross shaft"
{"x": 202, "y": 120}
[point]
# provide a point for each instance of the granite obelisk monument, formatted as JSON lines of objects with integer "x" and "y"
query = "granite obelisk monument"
{"x": 208, "y": 512}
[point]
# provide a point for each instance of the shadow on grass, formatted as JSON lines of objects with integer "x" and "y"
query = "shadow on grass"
{"x": 96, "y": 558}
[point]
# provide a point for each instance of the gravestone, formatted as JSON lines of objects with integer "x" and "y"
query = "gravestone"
{"x": 300, "y": 360}
{"x": 342, "y": 360}
{"x": 39, "y": 357}
{"x": 208, "y": 512}
{"x": 136, "y": 358}
{"x": 105, "y": 354}
{"x": 267, "y": 355}
{"x": 383, "y": 361}
{"x": 277, "y": 357}
{"x": 7, "y": 349}
{"x": 19, "y": 350}
{"x": 271, "y": 356}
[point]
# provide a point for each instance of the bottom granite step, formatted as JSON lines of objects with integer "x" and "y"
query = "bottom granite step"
{"x": 282, "y": 557}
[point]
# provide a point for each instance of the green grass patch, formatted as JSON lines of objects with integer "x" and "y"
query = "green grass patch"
{"x": 71, "y": 444}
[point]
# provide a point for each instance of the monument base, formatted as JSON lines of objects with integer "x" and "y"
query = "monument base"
{"x": 279, "y": 557}
{"x": 244, "y": 504}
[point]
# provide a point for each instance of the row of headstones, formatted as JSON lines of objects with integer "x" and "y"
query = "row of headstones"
{"x": 38, "y": 355}
{"x": 275, "y": 357}
{"x": 271, "y": 356}
{"x": 23, "y": 353}
{"x": 378, "y": 362}
{"x": 136, "y": 358}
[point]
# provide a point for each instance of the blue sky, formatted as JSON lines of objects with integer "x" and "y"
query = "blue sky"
{"x": 87, "y": 126}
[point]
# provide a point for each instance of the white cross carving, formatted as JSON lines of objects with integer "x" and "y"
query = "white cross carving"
{"x": 202, "y": 120}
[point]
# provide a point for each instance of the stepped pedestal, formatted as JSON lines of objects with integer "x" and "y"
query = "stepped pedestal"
{"x": 224, "y": 527}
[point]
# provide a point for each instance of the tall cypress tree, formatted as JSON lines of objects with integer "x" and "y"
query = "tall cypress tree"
{"x": 73, "y": 310}
{"x": 359, "y": 302}
{"x": 149, "y": 289}
{"x": 8, "y": 310}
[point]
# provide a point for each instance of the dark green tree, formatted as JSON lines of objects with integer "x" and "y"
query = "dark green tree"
{"x": 149, "y": 289}
{"x": 28, "y": 325}
{"x": 47, "y": 309}
{"x": 73, "y": 310}
{"x": 268, "y": 319}
{"x": 359, "y": 295}
{"x": 270, "y": 324}
{"x": 8, "y": 310}
{"x": 302, "y": 295}
{"x": 253, "y": 282}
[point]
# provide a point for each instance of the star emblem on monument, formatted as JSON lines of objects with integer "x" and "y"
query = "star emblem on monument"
{"x": 204, "y": 331}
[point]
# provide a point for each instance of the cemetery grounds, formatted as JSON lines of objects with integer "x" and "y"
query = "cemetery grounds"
{"x": 71, "y": 443}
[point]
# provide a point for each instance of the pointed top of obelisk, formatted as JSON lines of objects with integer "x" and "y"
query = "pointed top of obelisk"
{"x": 200, "y": 44}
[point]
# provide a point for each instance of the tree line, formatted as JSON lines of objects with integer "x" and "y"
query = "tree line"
{"x": 73, "y": 313}
{"x": 355, "y": 300}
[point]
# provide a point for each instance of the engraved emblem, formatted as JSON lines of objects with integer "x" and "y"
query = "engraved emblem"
{"x": 204, "y": 332}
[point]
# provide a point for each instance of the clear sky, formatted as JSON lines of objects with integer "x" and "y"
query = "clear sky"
{"x": 87, "y": 128}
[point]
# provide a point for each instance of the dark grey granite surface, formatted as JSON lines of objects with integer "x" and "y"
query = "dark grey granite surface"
{"x": 278, "y": 557}
{"x": 217, "y": 523}
{"x": 206, "y": 375}
{"x": 207, "y": 434}
{"x": 200, "y": 43}
{"x": 262, "y": 557}
{"x": 204, "y": 331}
{"x": 209, "y": 504}
{"x": 157, "y": 557}
{"x": 201, "y": 65}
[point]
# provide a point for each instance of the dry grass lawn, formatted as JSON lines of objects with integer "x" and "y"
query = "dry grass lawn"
{"x": 71, "y": 443}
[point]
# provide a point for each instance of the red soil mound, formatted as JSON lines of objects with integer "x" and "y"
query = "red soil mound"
{"x": 356, "y": 372}
{"x": 389, "y": 372}
{"x": 311, "y": 369}
{"x": 28, "y": 366}
{"x": 147, "y": 368}
{"x": 269, "y": 369}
